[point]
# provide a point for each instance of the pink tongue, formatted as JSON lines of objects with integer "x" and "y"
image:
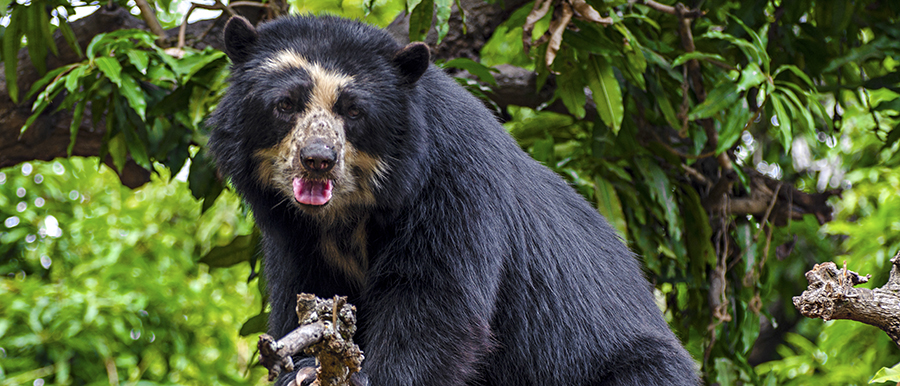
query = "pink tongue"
{"x": 311, "y": 192}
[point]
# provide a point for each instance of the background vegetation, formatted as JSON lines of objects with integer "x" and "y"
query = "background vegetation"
{"x": 711, "y": 134}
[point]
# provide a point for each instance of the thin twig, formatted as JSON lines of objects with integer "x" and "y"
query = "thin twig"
{"x": 151, "y": 20}
{"x": 694, "y": 14}
{"x": 765, "y": 218}
{"x": 696, "y": 174}
{"x": 217, "y": 6}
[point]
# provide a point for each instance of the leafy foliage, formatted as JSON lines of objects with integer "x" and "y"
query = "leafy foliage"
{"x": 775, "y": 97}
{"x": 152, "y": 103}
{"x": 100, "y": 282}
{"x": 32, "y": 21}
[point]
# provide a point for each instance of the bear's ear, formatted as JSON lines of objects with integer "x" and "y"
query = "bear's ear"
{"x": 412, "y": 61}
{"x": 240, "y": 36}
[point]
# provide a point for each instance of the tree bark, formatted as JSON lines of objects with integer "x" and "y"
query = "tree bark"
{"x": 831, "y": 295}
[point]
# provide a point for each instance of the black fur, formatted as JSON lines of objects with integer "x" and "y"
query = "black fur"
{"x": 240, "y": 35}
{"x": 484, "y": 267}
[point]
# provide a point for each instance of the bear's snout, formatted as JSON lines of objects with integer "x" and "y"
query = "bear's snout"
{"x": 318, "y": 157}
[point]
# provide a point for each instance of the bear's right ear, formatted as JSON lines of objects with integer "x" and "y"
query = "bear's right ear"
{"x": 412, "y": 61}
{"x": 240, "y": 36}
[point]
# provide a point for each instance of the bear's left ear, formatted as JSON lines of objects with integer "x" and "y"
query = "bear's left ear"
{"x": 240, "y": 37}
{"x": 412, "y": 61}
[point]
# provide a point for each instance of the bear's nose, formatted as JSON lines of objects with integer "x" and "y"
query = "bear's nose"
{"x": 318, "y": 157}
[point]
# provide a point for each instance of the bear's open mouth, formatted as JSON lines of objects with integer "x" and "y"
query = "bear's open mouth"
{"x": 312, "y": 192}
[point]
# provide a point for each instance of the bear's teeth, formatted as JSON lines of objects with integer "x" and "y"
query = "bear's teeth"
{"x": 312, "y": 192}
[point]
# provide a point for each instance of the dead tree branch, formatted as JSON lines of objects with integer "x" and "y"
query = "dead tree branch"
{"x": 831, "y": 295}
{"x": 326, "y": 332}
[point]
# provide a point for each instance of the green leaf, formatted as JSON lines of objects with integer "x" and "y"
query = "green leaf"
{"x": 73, "y": 127}
{"x": 543, "y": 151}
{"x": 241, "y": 249}
{"x": 4, "y": 7}
{"x": 891, "y": 138}
{"x": 821, "y": 113}
{"x": 889, "y": 80}
{"x": 481, "y": 71}
{"x": 665, "y": 106}
{"x": 663, "y": 64}
{"x": 696, "y": 223}
{"x": 36, "y": 110}
{"x": 887, "y": 375}
{"x": 50, "y": 76}
{"x": 570, "y": 88}
{"x": 132, "y": 91}
{"x": 411, "y": 5}
{"x": 735, "y": 121}
{"x": 159, "y": 72}
{"x": 12, "y": 40}
{"x": 529, "y": 125}
{"x": 590, "y": 38}
{"x": 760, "y": 40}
{"x": 462, "y": 16}
{"x": 893, "y": 104}
{"x": 684, "y": 58}
{"x": 73, "y": 78}
{"x": 44, "y": 21}
{"x": 118, "y": 149}
{"x": 784, "y": 121}
{"x": 420, "y": 20}
{"x": 34, "y": 36}
{"x": 751, "y": 76}
{"x": 660, "y": 189}
{"x": 202, "y": 180}
{"x": 606, "y": 93}
{"x": 800, "y": 74}
{"x": 42, "y": 102}
{"x": 720, "y": 98}
{"x": 140, "y": 59}
{"x": 442, "y": 14}
{"x": 188, "y": 66}
{"x": 69, "y": 35}
{"x": 127, "y": 38}
{"x": 634, "y": 56}
{"x": 644, "y": 19}
{"x": 874, "y": 49}
{"x": 609, "y": 206}
{"x": 93, "y": 44}
{"x": 752, "y": 53}
{"x": 255, "y": 325}
{"x": 111, "y": 68}
{"x": 799, "y": 109}
{"x": 135, "y": 133}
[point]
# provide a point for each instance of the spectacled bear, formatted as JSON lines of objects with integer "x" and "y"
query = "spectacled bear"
{"x": 373, "y": 175}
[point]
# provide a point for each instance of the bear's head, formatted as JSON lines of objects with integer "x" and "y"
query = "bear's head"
{"x": 319, "y": 105}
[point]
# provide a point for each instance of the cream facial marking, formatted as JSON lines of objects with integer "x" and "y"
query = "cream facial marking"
{"x": 356, "y": 175}
{"x": 327, "y": 83}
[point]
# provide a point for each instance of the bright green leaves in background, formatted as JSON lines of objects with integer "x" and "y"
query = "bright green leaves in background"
{"x": 100, "y": 282}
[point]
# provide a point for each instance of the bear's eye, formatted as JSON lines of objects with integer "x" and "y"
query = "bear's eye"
{"x": 353, "y": 112}
{"x": 285, "y": 105}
